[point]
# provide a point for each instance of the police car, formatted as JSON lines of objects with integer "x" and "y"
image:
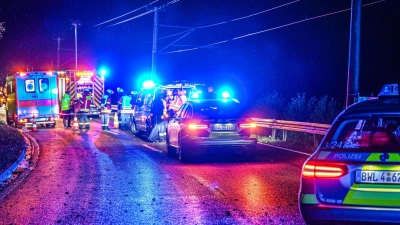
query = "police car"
{"x": 207, "y": 126}
{"x": 354, "y": 175}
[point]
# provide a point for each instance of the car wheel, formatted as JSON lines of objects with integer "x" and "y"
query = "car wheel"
{"x": 48, "y": 125}
{"x": 53, "y": 125}
{"x": 184, "y": 156}
{"x": 171, "y": 151}
{"x": 134, "y": 129}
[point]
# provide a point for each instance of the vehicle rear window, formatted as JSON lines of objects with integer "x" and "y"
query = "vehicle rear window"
{"x": 218, "y": 110}
{"x": 375, "y": 134}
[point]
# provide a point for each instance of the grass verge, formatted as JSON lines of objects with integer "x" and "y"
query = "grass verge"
{"x": 12, "y": 144}
{"x": 298, "y": 145}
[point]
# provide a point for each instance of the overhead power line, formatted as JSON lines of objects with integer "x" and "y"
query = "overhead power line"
{"x": 245, "y": 17}
{"x": 148, "y": 12}
{"x": 132, "y": 18}
{"x": 270, "y": 29}
{"x": 189, "y": 29}
{"x": 125, "y": 14}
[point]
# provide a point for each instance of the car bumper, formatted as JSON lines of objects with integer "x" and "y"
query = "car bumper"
{"x": 317, "y": 214}
{"x": 213, "y": 145}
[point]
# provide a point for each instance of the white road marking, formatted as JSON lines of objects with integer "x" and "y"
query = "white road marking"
{"x": 214, "y": 188}
{"x": 291, "y": 150}
{"x": 151, "y": 148}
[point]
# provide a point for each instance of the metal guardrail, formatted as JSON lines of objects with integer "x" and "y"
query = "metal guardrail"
{"x": 312, "y": 128}
{"x": 285, "y": 125}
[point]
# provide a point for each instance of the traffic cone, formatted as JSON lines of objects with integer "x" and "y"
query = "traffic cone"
{"x": 116, "y": 123}
{"x": 75, "y": 125}
{"x": 34, "y": 126}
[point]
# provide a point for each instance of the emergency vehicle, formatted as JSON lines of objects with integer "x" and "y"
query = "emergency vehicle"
{"x": 77, "y": 82}
{"x": 32, "y": 96}
{"x": 354, "y": 175}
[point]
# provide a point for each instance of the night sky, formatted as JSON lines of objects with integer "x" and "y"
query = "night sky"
{"x": 310, "y": 56}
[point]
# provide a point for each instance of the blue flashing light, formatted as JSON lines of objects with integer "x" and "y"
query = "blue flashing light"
{"x": 225, "y": 94}
{"x": 195, "y": 95}
{"x": 389, "y": 90}
{"x": 103, "y": 72}
{"x": 148, "y": 84}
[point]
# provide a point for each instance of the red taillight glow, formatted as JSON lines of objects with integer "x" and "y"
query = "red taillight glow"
{"x": 248, "y": 125}
{"x": 194, "y": 126}
{"x": 313, "y": 170}
{"x": 22, "y": 74}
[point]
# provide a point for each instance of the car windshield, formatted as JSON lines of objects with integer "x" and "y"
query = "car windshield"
{"x": 366, "y": 134}
{"x": 219, "y": 109}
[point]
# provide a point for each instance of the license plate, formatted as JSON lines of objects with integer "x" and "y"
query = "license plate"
{"x": 224, "y": 127}
{"x": 378, "y": 177}
{"x": 41, "y": 119}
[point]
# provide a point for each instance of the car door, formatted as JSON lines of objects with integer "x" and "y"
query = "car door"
{"x": 174, "y": 126}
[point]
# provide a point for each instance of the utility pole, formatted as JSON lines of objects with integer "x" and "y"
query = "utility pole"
{"x": 75, "y": 24}
{"x": 155, "y": 37}
{"x": 353, "y": 69}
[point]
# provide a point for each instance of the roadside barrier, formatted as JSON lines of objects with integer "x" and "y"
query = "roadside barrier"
{"x": 312, "y": 128}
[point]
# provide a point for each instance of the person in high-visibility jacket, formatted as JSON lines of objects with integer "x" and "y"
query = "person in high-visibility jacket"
{"x": 105, "y": 110}
{"x": 85, "y": 108}
{"x": 66, "y": 109}
{"x": 176, "y": 102}
{"x": 126, "y": 109}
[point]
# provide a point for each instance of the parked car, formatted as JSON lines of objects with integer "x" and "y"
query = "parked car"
{"x": 211, "y": 126}
{"x": 354, "y": 175}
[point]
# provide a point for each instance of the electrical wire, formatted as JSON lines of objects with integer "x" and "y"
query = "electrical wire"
{"x": 270, "y": 29}
{"x": 143, "y": 14}
{"x": 125, "y": 14}
{"x": 245, "y": 17}
{"x": 132, "y": 18}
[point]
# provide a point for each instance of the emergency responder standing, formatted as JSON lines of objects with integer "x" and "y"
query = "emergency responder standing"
{"x": 175, "y": 103}
{"x": 134, "y": 97}
{"x": 85, "y": 108}
{"x": 66, "y": 109}
{"x": 126, "y": 109}
{"x": 105, "y": 109}
{"x": 158, "y": 112}
{"x": 120, "y": 92}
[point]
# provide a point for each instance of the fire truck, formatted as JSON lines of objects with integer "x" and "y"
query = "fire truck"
{"x": 77, "y": 82}
{"x": 32, "y": 96}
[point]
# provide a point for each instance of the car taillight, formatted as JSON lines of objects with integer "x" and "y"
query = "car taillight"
{"x": 320, "y": 170}
{"x": 194, "y": 126}
{"x": 248, "y": 125}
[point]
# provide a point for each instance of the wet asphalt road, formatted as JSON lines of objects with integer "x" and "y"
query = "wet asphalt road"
{"x": 97, "y": 177}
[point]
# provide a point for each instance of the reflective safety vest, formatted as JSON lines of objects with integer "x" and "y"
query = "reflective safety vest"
{"x": 126, "y": 102}
{"x": 105, "y": 104}
{"x": 65, "y": 102}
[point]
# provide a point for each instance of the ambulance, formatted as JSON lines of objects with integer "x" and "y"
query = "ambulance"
{"x": 32, "y": 97}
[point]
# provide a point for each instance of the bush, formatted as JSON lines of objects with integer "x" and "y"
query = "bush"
{"x": 11, "y": 146}
{"x": 269, "y": 106}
